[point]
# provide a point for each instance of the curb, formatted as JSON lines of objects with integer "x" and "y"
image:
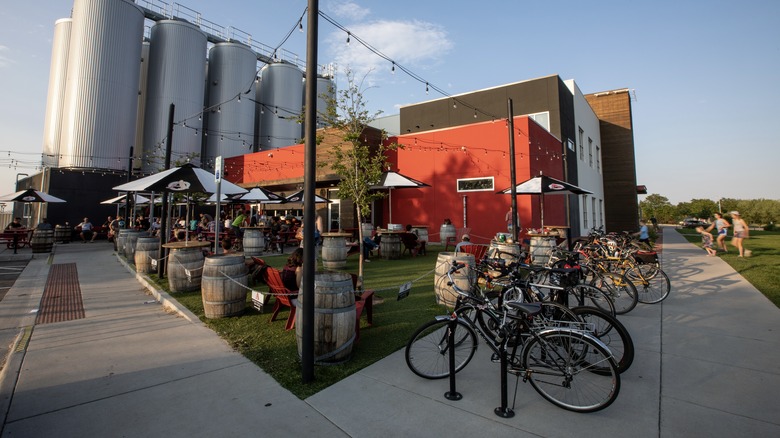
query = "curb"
{"x": 161, "y": 296}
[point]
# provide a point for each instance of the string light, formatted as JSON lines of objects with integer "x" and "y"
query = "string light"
{"x": 426, "y": 88}
{"x": 348, "y": 35}
{"x": 392, "y": 69}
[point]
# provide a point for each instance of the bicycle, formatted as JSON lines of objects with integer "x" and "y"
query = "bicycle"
{"x": 566, "y": 365}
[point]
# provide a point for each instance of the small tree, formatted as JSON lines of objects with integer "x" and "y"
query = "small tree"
{"x": 358, "y": 164}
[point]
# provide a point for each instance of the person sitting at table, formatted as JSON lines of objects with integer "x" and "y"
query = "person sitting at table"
{"x": 85, "y": 233}
{"x": 44, "y": 225}
{"x": 465, "y": 240}
{"x": 15, "y": 225}
{"x": 227, "y": 245}
{"x": 292, "y": 273}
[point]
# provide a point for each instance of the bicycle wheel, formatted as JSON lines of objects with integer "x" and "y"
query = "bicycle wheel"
{"x": 560, "y": 365}
{"x": 610, "y": 331}
{"x": 621, "y": 291}
{"x": 585, "y": 294}
{"x": 427, "y": 352}
{"x": 650, "y": 290}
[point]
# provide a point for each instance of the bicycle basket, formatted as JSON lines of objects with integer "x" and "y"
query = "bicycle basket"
{"x": 646, "y": 257}
{"x": 565, "y": 277}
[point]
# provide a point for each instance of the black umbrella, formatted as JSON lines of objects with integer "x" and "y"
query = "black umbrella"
{"x": 30, "y": 195}
{"x": 542, "y": 185}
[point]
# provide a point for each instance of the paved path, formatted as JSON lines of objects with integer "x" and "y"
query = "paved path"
{"x": 707, "y": 364}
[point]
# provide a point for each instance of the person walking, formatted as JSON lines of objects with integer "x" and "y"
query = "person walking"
{"x": 740, "y": 232}
{"x": 722, "y": 226}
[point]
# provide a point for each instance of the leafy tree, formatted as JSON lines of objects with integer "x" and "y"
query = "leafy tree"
{"x": 703, "y": 208}
{"x": 358, "y": 164}
{"x": 652, "y": 205}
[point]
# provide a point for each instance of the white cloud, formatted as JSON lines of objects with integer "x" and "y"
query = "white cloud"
{"x": 414, "y": 44}
{"x": 5, "y": 61}
{"x": 348, "y": 10}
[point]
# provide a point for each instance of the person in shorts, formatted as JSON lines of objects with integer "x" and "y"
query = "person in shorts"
{"x": 86, "y": 233}
{"x": 740, "y": 232}
{"x": 722, "y": 226}
{"x": 706, "y": 241}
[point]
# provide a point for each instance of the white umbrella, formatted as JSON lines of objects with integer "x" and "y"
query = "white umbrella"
{"x": 393, "y": 180}
{"x": 298, "y": 197}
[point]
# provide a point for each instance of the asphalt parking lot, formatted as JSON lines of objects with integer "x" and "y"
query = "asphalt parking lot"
{"x": 9, "y": 272}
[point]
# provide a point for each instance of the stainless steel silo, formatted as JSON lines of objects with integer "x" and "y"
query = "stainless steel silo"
{"x": 58, "y": 71}
{"x": 177, "y": 71}
{"x": 281, "y": 97}
{"x": 101, "y": 91}
{"x": 138, "y": 144}
{"x": 326, "y": 96}
{"x": 232, "y": 71}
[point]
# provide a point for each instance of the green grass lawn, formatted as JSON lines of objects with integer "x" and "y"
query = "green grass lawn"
{"x": 761, "y": 270}
{"x": 275, "y": 350}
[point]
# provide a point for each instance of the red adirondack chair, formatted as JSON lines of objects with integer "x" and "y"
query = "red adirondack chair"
{"x": 276, "y": 287}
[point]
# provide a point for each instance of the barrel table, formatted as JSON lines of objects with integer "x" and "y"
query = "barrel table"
{"x": 445, "y": 231}
{"x": 62, "y": 234}
{"x": 146, "y": 250}
{"x": 541, "y": 247}
{"x": 253, "y": 241}
{"x": 42, "y": 241}
{"x": 185, "y": 265}
{"x": 131, "y": 238}
{"x": 334, "y": 250}
{"x": 224, "y": 285}
{"x": 334, "y": 317}
{"x": 464, "y": 278}
{"x": 390, "y": 244}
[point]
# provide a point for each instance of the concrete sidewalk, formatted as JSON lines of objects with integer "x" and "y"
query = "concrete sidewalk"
{"x": 707, "y": 364}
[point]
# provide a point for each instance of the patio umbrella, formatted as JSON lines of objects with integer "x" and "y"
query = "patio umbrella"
{"x": 137, "y": 199}
{"x": 542, "y": 185}
{"x": 393, "y": 180}
{"x": 30, "y": 196}
{"x": 224, "y": 199}
{"x": 261, "y": 196}
{"x": 185, "y": 179}
{"x": 298, "y": 197}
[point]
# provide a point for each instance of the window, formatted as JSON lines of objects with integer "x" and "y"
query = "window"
{"x": 598, "y": 158}
{"x": 582, "y": 146}
{"x": 593, "y": 207}
{"x": 475, "y": 184}
{"x": 590, "y": 152}
{"x": 542, "y": 119}
{"x": 585, "y": 211}
{"x": 571, "y": 145}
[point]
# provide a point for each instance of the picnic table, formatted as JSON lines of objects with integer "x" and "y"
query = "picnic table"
{"x": 16, "y": 238}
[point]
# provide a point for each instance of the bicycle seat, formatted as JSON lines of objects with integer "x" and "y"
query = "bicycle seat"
{"x": 530, "y": 309}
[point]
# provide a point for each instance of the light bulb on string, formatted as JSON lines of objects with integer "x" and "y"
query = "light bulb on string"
{"x": 426, "y": 88}
{"x": 392, "y": 69}
{"x": 348, "y": 35}
{"x": 300, "y": 26}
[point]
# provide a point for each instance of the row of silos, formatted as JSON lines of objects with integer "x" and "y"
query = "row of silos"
{"x": 110, "y": 90}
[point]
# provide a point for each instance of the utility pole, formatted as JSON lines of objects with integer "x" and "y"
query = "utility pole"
{"x": 164, "y": 232}
{"x": 309, "y": 185}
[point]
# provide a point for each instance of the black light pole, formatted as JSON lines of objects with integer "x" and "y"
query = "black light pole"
{"x": 164, "y": 214}
{"x": 309, "y": 185}
{"x": 512, "y": 170}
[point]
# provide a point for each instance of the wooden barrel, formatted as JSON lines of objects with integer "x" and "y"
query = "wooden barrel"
{"x": 541, "y": 247}
{"x": 224, "y": 285}
{"x": 464, "y": 278}
{"x": 119, "y": 242}
{"x": 254, "y": 242}
{"x": 390, "y": 246}
{"x": 422, "y": 233}
{"x": 503, "y": 250}
{"x": 180, "y": 262}
{"x": 334, "y": 251}
{"x": 447, "y": 230}
{"x": 62, "y": 234}
{"x": 334, "y": 317}
{"x": 146, "y": 249}
{"x": 131, "y": 238}
{"x": 42, "y": 241}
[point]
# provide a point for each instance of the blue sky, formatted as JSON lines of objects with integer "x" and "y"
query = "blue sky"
{"x": 705, "y": 74}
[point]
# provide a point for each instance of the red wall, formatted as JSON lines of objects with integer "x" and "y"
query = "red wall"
{"x": 480, "y": 150}
{"x": 439, "y": 158}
